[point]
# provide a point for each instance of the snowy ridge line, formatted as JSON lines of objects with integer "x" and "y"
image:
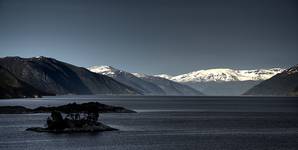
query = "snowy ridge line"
{"x": 224, "y": 75}
{"x": 208, "y": 75}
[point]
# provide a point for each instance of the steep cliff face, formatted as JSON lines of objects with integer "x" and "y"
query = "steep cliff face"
{"x": 53, "y": 76}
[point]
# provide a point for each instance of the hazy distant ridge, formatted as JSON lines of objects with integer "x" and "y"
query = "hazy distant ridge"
{"x": 148, "y": 85}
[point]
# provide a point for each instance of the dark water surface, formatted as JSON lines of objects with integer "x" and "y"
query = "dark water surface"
{"x": 164, "y": 123}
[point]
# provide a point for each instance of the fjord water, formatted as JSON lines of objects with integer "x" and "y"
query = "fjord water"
{"x": 164, "y": 123}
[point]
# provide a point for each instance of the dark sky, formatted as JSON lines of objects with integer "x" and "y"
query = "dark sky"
{"x": 153, "y": 36}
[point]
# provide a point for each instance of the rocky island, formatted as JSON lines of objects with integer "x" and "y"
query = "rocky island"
{"x": 69, "y": 118}
{"x": 73, "y": 122}
{"x": 68, "y": 108}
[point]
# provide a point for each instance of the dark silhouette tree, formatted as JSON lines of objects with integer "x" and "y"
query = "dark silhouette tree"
{"x": 56, "y": 121}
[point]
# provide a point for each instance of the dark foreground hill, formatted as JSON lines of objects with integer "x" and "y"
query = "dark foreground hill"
{"x": 56, "y": 77}
{"x": 285, "y": 83}
{"x": 12, "y": 87}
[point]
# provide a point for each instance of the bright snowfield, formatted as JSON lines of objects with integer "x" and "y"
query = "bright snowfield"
{"x": 224, "y": 75}
{"x": 105, "y": 70}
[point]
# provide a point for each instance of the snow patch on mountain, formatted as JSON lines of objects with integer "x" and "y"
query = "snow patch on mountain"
{"x": 164, "y": 76}
{"x": 105, "y": 70}
{"x": 225, "y": 75}
{"x": 140, "y": 75}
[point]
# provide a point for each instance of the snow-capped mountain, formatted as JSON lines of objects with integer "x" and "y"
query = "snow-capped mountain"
{"x": 146, "y": 84}
{"x": 224, "y": 81}
{"x": 224, "y": 75}
{"x": 218, "y": 81}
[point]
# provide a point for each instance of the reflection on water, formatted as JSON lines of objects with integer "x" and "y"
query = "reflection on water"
{"x": 165, "y": 123}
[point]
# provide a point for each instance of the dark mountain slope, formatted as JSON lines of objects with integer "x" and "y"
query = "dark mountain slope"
{"x": 11, "y": 87}
{"x": 53, "y": 76}
{"x": 281, "y": 84}
{"x": 170, "y": 87}
{"x": 228, "y": 88}
{"x": 129, "y": 79}
{"x": 141, "y": 85}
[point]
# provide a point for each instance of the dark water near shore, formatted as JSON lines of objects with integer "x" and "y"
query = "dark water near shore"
{"x": 165, "y": 123}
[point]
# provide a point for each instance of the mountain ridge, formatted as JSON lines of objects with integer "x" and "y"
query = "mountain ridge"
{"x": 282, "y": 84}
{"x": 128, "y": 79}
{"x": 158, "y": 86}
{"x": 224, "y": 75}
{"x": 57, "y": 77}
